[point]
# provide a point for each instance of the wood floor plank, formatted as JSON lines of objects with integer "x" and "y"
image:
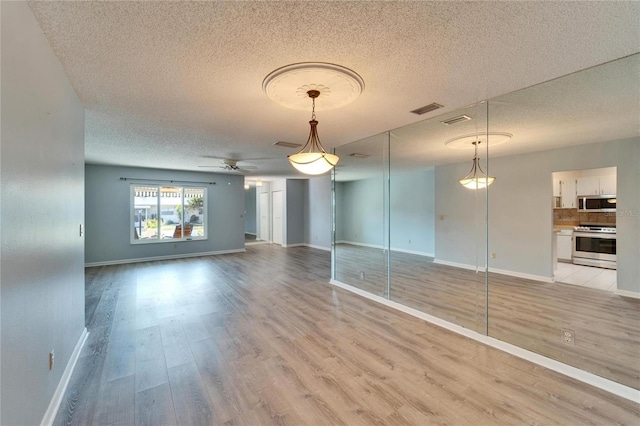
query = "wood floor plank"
{"x": 190, "y": 399}
{"x": 118, "y": 406}
{"x": 151, "y": 367}
{"x": 154, "y": 406}
{"x": 260, "y": 338}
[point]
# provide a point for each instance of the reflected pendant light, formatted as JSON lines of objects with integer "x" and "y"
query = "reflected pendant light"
{"x": 312, "y": 159}
{"x": 476, "y": 178}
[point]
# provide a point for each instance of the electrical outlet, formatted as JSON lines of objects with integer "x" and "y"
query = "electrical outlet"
{"x": 51, "y": 359}
{"x": 362, "y": 275}
{"x": 493, "y": 255}
{"x": 568, "y": 336}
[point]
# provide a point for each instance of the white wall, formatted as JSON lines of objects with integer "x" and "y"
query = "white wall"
{"x": 42, "y": 207}
{"x": 520, "y": 214}
{"x": 109, "y": 222}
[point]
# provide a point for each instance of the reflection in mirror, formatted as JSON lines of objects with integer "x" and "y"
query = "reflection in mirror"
{"x": 438, "y": 226}
{"x": 426, "y": 242}
{"x": 361, "y": 233}
{"x": 547, "y": 294}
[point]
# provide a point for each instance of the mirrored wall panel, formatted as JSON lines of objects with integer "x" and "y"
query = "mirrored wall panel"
{"x": 564, "y": 220}
{"x": 437, "y": 224}
{"x": 361, "y": 241}
{"x": 541, "y": 249}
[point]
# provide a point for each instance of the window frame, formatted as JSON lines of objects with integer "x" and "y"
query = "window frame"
{"x": 157, "y": 187}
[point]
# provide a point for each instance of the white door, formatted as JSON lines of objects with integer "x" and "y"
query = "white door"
{"x": 263, "y": 230}
{"x": 277, "y": 217}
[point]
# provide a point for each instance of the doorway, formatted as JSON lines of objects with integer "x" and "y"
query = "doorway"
{"x": 277, "y": 217}
{"x": 263, "y": 206}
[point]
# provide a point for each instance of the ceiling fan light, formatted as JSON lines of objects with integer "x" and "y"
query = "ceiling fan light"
{"x": 313, "y": 163}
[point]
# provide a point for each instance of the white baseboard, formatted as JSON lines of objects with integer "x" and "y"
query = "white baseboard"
{"x": 318, "y": 247}
{"x": 495, "y": 270}
{"x": 627, "y": 293}
{"x": 354, "y": 243}
{"x": 169, "y": 257}
{"x": 557, "y": 366}
{"x": 417, "y": 253}
{"x": 399, "y": 250}
{"x": 56, "y": 400}
{"x": 294, "y": 245}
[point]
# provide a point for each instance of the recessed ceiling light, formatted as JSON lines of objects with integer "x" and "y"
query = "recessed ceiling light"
{"x": 288, "y": 144}
{"x": 427, "y": 108}
{"x": 455, "y": 120}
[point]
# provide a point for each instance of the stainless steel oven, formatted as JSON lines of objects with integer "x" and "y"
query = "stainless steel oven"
{"x": 594, "y": 246}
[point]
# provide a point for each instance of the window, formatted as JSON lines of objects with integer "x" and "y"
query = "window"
{"x": 167, "y": 213}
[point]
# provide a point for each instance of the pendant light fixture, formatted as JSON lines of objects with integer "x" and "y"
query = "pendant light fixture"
{"x": 312, "y": 159}
{"x": 476, "y": 178}
{"x": 292, "y": 86}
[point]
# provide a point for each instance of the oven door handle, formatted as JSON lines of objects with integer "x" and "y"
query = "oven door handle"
{"x": 602, "y": 235}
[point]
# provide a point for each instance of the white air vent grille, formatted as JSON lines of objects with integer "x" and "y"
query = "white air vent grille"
{"x": 458, "y": 119}
{"x": 288, "y": 144}
{"x": 427, "y": 108}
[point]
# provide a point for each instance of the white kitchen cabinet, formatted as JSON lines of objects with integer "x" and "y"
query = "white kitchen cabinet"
{"x": 608, "y": 185}
{"x": 557, "y": 192}
{"x": 597, "y": 185}
{"x": 589, "y": 185}
{"x": 568, "y": 187}
{"x": 565, "y": 246}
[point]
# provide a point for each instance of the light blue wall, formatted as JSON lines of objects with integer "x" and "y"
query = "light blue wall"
{"x": 412, "y": 198}
{"x": 294, "y": 205}
{"x": 360, "y": 211}
{"x": 318, "y": 212}
{"x": 108, "y": 214}
{"x": 361, "y": 216}
{"x": 520, "y": 216}
{"x": 42, "y": 207}
{"x": 250, "y": 209}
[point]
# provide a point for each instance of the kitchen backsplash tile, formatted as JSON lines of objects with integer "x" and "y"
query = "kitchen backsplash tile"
{"x": 574, "y": 218}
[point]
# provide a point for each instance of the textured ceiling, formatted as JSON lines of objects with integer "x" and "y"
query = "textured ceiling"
{"x": 178, "y": 84}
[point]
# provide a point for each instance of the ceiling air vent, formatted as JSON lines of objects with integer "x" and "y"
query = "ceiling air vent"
{"x": 358, "y": 155}
{"x": 457, "y": 119}
{"x": 288, "y": 144}
{"x": 427, "y": 108}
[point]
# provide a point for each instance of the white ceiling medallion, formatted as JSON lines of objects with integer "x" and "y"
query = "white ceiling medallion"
{"x": 468, "y": 141}
{"x": 289, "y": 85}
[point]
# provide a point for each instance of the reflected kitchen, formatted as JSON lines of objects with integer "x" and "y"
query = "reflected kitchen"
{"x": 584, "y": 226}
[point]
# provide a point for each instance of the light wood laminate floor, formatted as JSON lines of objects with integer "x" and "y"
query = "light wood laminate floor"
{"x": 260, "y": 338}
{"x": 529, "y": 314}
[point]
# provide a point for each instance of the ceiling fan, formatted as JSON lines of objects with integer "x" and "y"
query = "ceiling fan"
{"x": 232, "y": 165}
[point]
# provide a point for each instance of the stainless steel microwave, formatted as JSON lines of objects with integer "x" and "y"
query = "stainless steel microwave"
{"x": 596, "y": 203}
